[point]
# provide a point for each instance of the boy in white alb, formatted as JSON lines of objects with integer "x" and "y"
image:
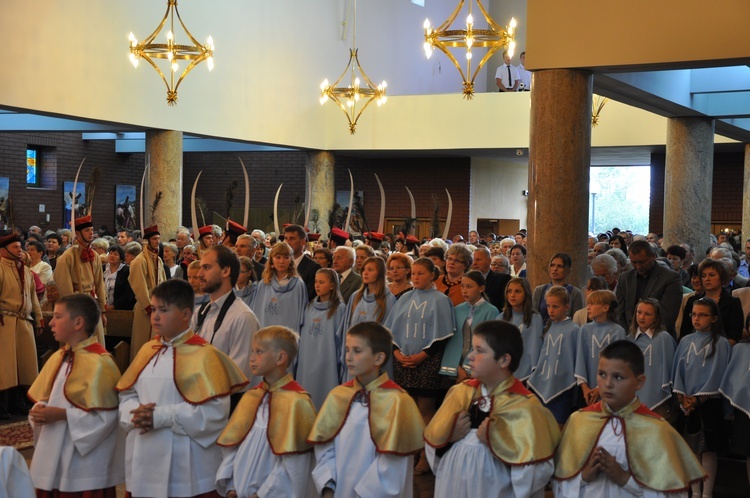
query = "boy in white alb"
{"x": 619, "y": 448}
{"x": 79, "y": 448}
{"x": 174, "y": 403}
{"x": 264, "y": 445}
{"x": 369, "y": 428}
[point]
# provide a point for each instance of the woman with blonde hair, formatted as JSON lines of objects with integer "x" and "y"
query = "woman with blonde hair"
{"x": 281, "y": 297}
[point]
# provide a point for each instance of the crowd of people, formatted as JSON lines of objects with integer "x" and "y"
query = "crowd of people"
{"x": 489, "y": 368}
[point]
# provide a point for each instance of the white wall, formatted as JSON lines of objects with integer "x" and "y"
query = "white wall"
{"x": 496, "y": 190}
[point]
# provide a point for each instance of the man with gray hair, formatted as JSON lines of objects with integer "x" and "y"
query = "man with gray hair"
{"x": 647, "y": 279}
{"x": 732, "y": 260}
{"x": 343, "y": 264}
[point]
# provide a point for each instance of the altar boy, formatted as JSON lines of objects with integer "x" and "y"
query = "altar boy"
{"x": 174, "y": 403}
{"x": 79, "y": 446}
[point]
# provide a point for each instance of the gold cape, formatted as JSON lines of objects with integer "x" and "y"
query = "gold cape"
{"x": 658, "y": 457}
{"x": 90, "y": 381}
{"x": 291, "y": 415}
{"x": 521, "y": 431}
{"x": 201, "y": 372}
{"x": 395, "y": 423}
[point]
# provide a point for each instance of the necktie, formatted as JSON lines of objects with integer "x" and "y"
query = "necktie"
{"x": 510, "y": 79}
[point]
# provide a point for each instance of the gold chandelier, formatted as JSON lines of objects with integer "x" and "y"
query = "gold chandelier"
{"x": 171, "y": 51}
{"x": 354, "y": 98}
{"x": 494, "y": 38}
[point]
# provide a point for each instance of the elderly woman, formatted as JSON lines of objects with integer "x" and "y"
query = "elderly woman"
{"x": 605, "y": 266}
{"x": 715, "y": 275}
{"x": 559, "y": 271}
{"x": 398, "y": 270}
{"x": 458, "y": 260}
{"x": 170, "y": 261}
{"x": 123, "y": 297}
{"x": 500, "y": 264}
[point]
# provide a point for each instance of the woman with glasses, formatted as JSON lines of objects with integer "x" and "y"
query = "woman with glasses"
{"x": 714, "y": 276}
{"x": 458, "y": 259}
{"x": 398, "y": 271}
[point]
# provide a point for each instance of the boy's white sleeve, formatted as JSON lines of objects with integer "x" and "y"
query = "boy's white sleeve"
{"x": 290, "y": 477}
{"x": 325, "y": 466}
{"x": 128, "y": 402}
{"x": 530, "y": 480}
{"x": 202, "y": 423}
{"x": 89, "y": 429}
{"x": 432, "y": 458}
{"x": 387, "y": 476}
{"x": 225, "y": 474}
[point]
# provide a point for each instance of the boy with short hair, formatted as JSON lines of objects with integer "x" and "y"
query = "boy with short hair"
{"x": 264, "y": 445}
{"x": 79, "y": 445}
{"x": 174, "y": 402}
{"x": 492, "y": 425}
{"x": 369, "y": 428}
{"x": 618, "y": 447}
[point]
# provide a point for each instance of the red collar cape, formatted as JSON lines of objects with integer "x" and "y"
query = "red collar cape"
{"x": 291, "y": 415}
{"x": 90, "y": 381}
{"x": 521, "y": 431}
{"x": 658, "y": 457}
{"x": 395, "y": 423}
{"x": 201, "y": 372}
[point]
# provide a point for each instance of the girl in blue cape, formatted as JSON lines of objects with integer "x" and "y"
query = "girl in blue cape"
{"x": 281, "y": 297}
{"x": 735, "y": 386}
{"x": 520, "y": 312}
{"x": 321, "y": 343}
{"x": 554, "y": 378}
{"x": 699, "y": 365}
{"x": 373, "y": 302}
{"x": 593, "y": 337}
{"x": 658, "y": 347}
{"x": 421, "y": 322}
{"x": 473, "y": 311}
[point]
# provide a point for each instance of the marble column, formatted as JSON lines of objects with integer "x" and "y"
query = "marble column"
{"x": 323, "y": 188}
{"x": 164, "y": 151}
{"x": 559, "y": 161}
{"x": 688, "y": 178}
{"x": 746, "y": 199}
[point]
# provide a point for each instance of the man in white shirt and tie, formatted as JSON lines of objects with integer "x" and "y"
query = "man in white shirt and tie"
{"x": 507, "y": 77}
{"x": 525, "y": 75}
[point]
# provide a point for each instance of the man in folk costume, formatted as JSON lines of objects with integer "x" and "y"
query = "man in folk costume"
{"x": 233, "y": 231}
{"x": 205, "y": 240}
{"x": 20, "y": 315}
{"x": 79, "y": 270}
{"x": 146, "y": 272}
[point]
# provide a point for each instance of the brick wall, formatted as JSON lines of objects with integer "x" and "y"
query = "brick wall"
{"x": 425, "y": 177}
{"x": 69, "y": 150}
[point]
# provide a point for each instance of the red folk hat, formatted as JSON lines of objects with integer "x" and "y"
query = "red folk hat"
{"x": 236, "y": 228}
{"x": 410, "y": 239}
{"x": 313, "y": 236}
{"x": 7, "y": 240}
{"x": 206, "y": 230}
{"x": 376, "y": 236}
{"x": 84, "y": 222}
{"x": 149, "y": 232}
{"x": 339, "y": 236}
